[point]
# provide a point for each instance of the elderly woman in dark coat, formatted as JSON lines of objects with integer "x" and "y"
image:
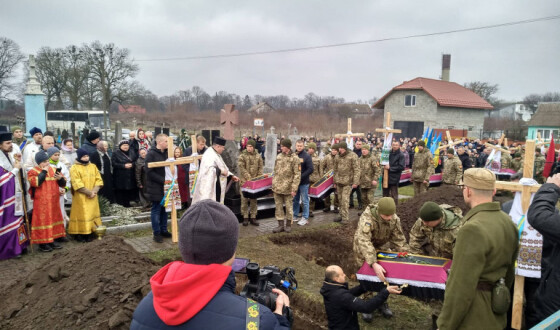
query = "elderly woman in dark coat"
{"x": 124, "y": 179}
{"x": 103, "y": 163}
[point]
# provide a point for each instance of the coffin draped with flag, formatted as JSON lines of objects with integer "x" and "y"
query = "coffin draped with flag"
{"x": 425, "y": 276}
{"x": 258, "y": 187}
{"x": 323, "y": 186}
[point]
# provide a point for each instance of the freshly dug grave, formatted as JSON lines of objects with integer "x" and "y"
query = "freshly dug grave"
{"x": 93, "y": 286}
{"x": 408, "y": 211}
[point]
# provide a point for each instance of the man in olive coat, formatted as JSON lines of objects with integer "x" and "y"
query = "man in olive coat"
{"x": 478, "y": 267}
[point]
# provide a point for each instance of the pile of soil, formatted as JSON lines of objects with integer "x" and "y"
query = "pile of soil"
{"x": 408, "y": 211}
{"x": 93, "y": 286}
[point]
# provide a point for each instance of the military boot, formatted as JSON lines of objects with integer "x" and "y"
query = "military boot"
{"x": 280, "y": 227}
{"x": 434, "y": 322}
{"x": 386, "y": 311}
{"x": 245, "y": 222}
{"x": 288, "y": 226}
{"x": 253, "y": 221}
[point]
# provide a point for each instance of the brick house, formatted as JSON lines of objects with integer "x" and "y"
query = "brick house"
{"x": 424, "y": 102}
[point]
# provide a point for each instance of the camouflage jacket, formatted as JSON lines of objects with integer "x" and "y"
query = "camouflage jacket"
{"x": 423, "y": 166}
{"x": 250, "y": 166}
{"x": 327, "y": 163}
{"x": 539, "y": 165}
{"x": 287, "y": 173}
{"x": 437, "y": 241}
{"x": 370, "y": 170}
{"x": 374, "y": 232}
{"x": 347, "y": 169}
{"x": 452, "y": 171}
{"x": 516, "y": 164}
{"x": 505, "y": 160}
{"x": 317, "y": 174}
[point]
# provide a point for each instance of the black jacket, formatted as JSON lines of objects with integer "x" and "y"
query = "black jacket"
{"x": 155, "y": 177}
{"x": 306, "y": 167}
{"x": 396, "y": 166}
{"x": 465, "y": 161}
{"x": 343, "y": 305}
{"x": 481, "y": 161}
{"x": 545, "y": 218}
{"x": 123, "y": 178}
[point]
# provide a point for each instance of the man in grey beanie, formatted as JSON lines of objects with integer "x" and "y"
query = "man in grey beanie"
{"x": 199, "y": 292}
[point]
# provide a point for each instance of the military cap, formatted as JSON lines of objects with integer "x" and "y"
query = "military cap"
{"x": 421, "y": 143}
{"x": 386, "y": 206}
{"x": 312, "y": 145}
{"x": 252, "y": 143}
{"x": 286, "y": 143}
{"x": 451, "y": 151}
{"x": 334, "y": 146}
{"x": 15, "y": 128}
{"x": 342, "y": 145}
{"x": 365, "y": 146}
{"x": 430, "y": 211}
{"x": 479, "y": 178}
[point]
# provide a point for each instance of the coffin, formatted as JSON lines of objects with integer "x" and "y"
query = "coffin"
{"x": 258, "y": 187}
{"x": 425, "y": 276}
{"x": 324, "y": 186}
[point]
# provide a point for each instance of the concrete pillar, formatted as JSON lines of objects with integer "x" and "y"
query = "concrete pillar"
{"x": 34, "y": 100}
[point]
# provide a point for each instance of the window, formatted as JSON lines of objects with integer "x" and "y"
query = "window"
{"x": 410, "y": 100}
{"x": 546, "y": 134}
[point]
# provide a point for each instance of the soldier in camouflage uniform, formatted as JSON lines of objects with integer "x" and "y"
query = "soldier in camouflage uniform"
{"x": 378, "y": 226}
{"x": 422, "y": 168}
{"x": 370, "y": 170}
{"x": 539, "y": 166}
{"x": 505, "y": 160}
{"x": 250, "y": 165}
{"x": 452, "y": 169}
{"x": 327, "y": 164}
{"x": 285, "y": 183}
{"x": 434, "y": 235}
{"x": 516, "y": 162}
{"x": 346, "y": 177}
{"x": 316, "y": 175}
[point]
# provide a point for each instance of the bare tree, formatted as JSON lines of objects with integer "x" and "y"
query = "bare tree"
{"x": 10, "y": 57}
{"x": 532, "y": 100}
{"x": 77, "y": 75}
{"x": 52, "y": 73}
{"x": 484, "y": 90}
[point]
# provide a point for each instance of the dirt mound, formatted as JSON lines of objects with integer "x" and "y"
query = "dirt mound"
{"x": 94, "y": 286}
{"x": 317, "y": 246}
{"x": 408, "y": 211}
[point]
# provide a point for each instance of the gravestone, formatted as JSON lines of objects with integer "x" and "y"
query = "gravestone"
{"x": 294, "y": 138}
{"x": 64, "y": 134}
{"x": 206, "y": 134}
{"x": 34, "y": 100}
{"x": 270, "y": 151}
{"x": 157, "y": 131}
{"x": 228, "y": 119}
{"x": 118, "y": 133}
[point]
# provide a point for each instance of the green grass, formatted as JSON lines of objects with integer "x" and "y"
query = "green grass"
{"x": 407, "y": 190}
{"x": 160, "y": 256}
{"x": 137, "y": 233}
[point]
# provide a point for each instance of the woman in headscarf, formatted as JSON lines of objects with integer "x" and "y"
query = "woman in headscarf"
{"x": 68, "y": 151}
{"x": 139, "y": 142}
{"x": 124, "y": 178}
{"x": 103, "y": 163}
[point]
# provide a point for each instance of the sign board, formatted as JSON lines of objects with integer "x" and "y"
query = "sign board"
{"x": 259, "y": 122}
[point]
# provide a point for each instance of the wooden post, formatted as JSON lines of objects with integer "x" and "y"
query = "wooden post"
{"x": 387, "y": 129}
{"x": 526, "y": 191}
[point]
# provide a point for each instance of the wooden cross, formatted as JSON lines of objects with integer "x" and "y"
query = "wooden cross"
{"x": 387, "y": 130}
{"x": 526, "y": 192}
{"x": 498, "y": 147}
{"x": 172, "y": 164}
{"x": 339, "y": 136}
{"x": 449, "y": 143}
{"x": 229, "y": 117}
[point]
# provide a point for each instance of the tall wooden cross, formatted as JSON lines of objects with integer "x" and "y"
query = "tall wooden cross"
{"x": 450, "y": 142}
{"x": 526, "y": 192}
{"x": 387, "y": 130}
{"x": 349, "y": 132}
{"x": 229, "y": 117}
{"x": 172, "y": 164}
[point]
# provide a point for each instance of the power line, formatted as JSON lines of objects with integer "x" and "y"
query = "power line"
{"x": 288, "y": 50}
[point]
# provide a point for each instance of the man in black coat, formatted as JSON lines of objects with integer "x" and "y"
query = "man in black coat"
{"x": 545, "y": 218}
{"x": 396, "y": 166}
{"x": 343, "y": 305}
{"x": 464, "y": 158}
{"x": 303, "y": 189}
{"x": 155, "y": 179}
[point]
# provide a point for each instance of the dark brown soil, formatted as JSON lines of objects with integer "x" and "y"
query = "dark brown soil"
{"x": 93, "y": 286}
{"x": 408, "y": 211}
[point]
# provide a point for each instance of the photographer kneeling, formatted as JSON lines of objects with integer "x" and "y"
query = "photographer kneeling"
{"x": 199, "y": 292}
{"x": 343, "y": 305}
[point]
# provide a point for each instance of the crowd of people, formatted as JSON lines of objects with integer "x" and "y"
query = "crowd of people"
{"x": 39, "y": 178}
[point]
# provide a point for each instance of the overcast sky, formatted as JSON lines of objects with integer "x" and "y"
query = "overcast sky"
{"x": 522, "y": 59}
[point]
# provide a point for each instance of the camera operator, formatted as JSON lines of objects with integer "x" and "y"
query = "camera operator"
{"x": 343, "y": 305}
{"x": 199, "y": 292}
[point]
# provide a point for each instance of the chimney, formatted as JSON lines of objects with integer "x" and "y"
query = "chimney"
{"x": 445, "y": 66}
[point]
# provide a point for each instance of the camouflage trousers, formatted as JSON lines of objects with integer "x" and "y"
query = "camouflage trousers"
{"x": 367, "y": 196}
{"x": 343, "y": 192}
{"x": 419, "y": 187}
{"x": 245, "y": 204}
{"x": 280, "y": 200}
{"x": 328, "y": 201}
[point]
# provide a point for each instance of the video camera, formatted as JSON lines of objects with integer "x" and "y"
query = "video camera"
{"x": 263, "y": 280}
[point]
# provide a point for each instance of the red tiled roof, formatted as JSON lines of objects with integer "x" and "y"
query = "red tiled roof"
{"x": 445, "y": 93}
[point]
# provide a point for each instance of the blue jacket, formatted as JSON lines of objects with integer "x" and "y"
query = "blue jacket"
{"x": 186, "y": 296}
